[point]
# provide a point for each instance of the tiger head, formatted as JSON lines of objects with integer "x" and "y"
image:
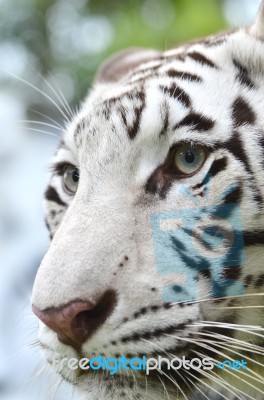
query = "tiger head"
{"x": 155, "y": 209}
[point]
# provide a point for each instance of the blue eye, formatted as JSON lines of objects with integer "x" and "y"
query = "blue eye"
{"x": 71, "y": 178}
{"x": 188, "y": 159}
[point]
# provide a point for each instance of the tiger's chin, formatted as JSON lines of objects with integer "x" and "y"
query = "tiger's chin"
{"x": 130, "y": 385}
{"x": 115, "y": 390}
{"x": 91, "y": 385}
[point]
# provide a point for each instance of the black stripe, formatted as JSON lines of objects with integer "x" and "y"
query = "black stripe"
{"x": 235, "y": 146}
{"x": 49, "y": 228}
{"x": 141, "y": 79}
{"x": 204, "y": 182}
{"x": 165, "y": 118}
{"x": 47, "y": 224}
{"x": 154, "y": 334}
{"x": 133, "y": 130}
{"x": 259, "y": 281}
{"x": 261, "y": 143}
{"x": 196, "y": 122}
{"x": 132, "y": 96}
{"x": 205, "y": 273}
{"x": 242, "y": 113}
{"x": 217, "y": 166}
{"x": 123, "y": 115}
{"x": 234, "y": 196}
{"x": 215, "y": 41}
{"x": 52, "y": 195}
{"x": 172, "y": 73}
{"x": 62, "y": 145}
{"x": 200, "y": 58}
{"x": 243, "y": 75}
{"x": 253, "y": 238}
{"x": 248, "y": 280}
{"x": 146, "y": 72}
{"x": 171, "y": 57}
{"x": 177, "y": 93}
{"x": 158, "y": 183}
{"x": 79, "y": 127}
{"x": 233, "y": 272}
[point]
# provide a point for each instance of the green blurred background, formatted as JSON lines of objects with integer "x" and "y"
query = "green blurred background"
{"x": 65, "y": 41}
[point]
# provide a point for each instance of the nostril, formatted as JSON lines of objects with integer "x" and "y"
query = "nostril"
{"x": 86, "y": 322}
{"x": 76, "y": 321}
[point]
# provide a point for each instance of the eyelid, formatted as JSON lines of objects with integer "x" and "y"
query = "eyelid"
{"x": 59, "y": 167}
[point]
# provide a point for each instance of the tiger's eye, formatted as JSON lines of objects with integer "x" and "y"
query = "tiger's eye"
{"x": 71, "y": 179}
{"x": 188, "y": 159}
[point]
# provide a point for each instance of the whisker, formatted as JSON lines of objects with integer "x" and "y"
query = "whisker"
{"x": 240, "y": 328}
{"x": 206, "y": 346}
{"x": 199, "y": 389}
{"x": 226, "y": 385}
{"x": 205, "y": 384}
{"x": 210, "y": 299}
{"x": 61, "y": 98}
{"x": 247, "y": 346}
{"x": 257, "y": 327}
{"x": 239, "y": 371}
{"x": 48, "y": 118}
{"x": 45, "y": 95}
{"x": 167, "y": 376}
{"x": 233, "y": 307}
{"x": 224, "y": 381}
{"x": 41, "y": 123}
{"x": 174, "y": 382}
{"x": 164, "y": 387}
{"x": 41, "y": 131}
{"x": 242, "y": 355}
{"x": 249, "y": 369}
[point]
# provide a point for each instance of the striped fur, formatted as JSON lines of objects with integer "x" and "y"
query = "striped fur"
{"x": 143, "y": 105}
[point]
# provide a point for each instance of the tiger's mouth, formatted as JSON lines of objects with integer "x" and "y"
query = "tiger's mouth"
{"x": 129, "y": 378}
{"x": 137, "y": 383}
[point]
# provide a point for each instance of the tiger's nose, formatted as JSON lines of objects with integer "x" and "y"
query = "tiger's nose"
{"x": 76, "y": 321}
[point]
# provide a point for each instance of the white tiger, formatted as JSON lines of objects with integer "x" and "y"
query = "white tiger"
{"x": 156, "y": 208}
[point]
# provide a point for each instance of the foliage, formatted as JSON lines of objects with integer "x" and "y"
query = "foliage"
{"x": 71, "y": 38}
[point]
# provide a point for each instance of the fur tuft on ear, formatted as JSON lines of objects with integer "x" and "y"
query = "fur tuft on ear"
{"x": 257, "y": 29}
{"x": 122, "y": 63}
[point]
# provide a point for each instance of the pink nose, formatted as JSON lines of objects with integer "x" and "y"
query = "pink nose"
{"x": 76, "y": 321}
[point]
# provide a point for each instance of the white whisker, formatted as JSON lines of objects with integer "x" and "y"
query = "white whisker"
{"x": 41, "y": 131}
{"x": 48, "y": 118}
{"x": 39, "y": 91}
{"x": 61, "y": 98}
{"x": 41, "y": 123}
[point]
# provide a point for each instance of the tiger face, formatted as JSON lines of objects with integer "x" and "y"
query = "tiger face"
{"x": 155, "y": 207}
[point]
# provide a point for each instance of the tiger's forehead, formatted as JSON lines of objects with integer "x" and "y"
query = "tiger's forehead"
{"x": 194, "y": 92}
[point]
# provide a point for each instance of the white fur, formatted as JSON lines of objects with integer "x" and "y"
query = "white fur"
{"x": 109, "y": 216}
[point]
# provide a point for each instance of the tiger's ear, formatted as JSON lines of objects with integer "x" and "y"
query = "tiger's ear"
{"x": 257, "y": 29}
{"x": 122, "y": 63}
